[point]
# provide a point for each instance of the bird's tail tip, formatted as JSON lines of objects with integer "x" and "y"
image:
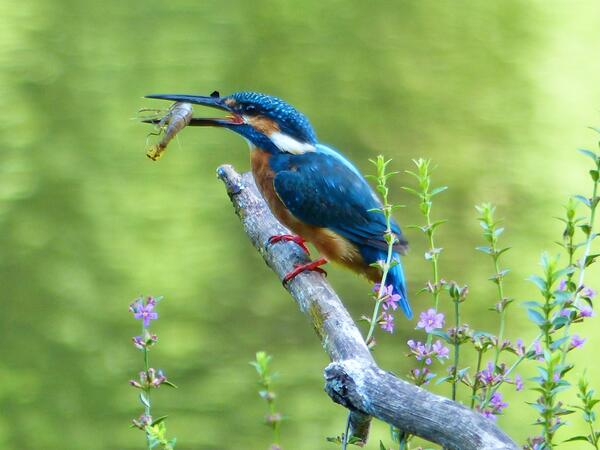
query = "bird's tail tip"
{"x": 396, "y": 278}
{"x": 406, "y": 308}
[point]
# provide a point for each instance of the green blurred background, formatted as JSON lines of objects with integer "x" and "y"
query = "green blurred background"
{"x": 499, "y": 94}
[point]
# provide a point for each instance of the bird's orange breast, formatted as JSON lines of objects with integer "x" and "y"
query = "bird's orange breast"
{"x": 329, "y": 243}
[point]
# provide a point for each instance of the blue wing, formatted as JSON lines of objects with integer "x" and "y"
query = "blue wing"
{"x": 324, "y": 189}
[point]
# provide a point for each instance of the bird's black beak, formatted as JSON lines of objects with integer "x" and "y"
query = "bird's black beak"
{"x": 214, "y": 101}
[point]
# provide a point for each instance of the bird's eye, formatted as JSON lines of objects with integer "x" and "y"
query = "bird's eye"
{"x": 249, "y": 109}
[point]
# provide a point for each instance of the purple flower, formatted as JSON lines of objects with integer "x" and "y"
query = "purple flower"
{"x": 420, "y": 350}
{"x": 566, "y": 312}
{"x": 556, "y": 377}
{"x": 586, "y": 311}
{"x": 142, "y": 343}
{"x": 518, "y": 382}
{"x": 421, "y": 377}
{"x": 538, "y": 351}
{"x": 146, "y": 313}
{"x": 519, "y": 347}
{"x": 388, "y": 298}
{"x": 588, "y": 292}
{"x": 143, "y": 309}
{"x": 138, "y": 341}
{"x": 562, "y": 286}
{"x": 142, "y": 422}
{"x": 440, "y": 350}
{"x": 430, "y": 320}
{"x": 577, "y": 341}
{"x": 488, "y": 376}
{"x": 387, "y": 322}
{"x": 426, "y": 351}
{"x": 496, "y": 402}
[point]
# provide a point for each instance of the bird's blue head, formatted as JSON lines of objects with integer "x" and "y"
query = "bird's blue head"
{"x": 267, "y": 122}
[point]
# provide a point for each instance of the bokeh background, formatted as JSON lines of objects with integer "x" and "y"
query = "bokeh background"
{"x": 499, "y": 94}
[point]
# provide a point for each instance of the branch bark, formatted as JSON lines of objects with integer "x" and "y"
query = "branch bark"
{"x": 353, "y": 379}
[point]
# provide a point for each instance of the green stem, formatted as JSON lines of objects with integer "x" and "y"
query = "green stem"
{"x": 476, "y": 381}
{"x": 386, "y": 269}
{"x": 434, "y": 261}
{"x": 403, "y": 444}
{"x": 147, "y": 411}
{"x": 593, "y": 434}
{"x": 586, "y": 253}
{"x": 502, "y": 314}
{"x": 345, "y": 439}
{"x": 456, "y": 349}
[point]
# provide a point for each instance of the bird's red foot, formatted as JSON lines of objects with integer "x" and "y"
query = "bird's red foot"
{"x": 311, "y": 266}
{"x": 289, "y": 238}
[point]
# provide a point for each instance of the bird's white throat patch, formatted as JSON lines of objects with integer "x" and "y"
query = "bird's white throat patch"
{"x": 288, "y": 144}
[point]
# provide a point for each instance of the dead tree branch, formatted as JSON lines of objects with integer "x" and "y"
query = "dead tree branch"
{"x": 353, "y": 379}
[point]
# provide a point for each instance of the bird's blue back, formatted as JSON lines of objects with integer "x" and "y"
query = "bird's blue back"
{"x": 324, "y": 189}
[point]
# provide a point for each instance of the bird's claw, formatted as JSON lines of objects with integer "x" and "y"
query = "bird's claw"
{"x": 289, "y": 238}
{"x": 312, "y": 266}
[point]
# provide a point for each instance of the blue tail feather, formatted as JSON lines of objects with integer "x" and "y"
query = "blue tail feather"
{"x": 395, "y": 276}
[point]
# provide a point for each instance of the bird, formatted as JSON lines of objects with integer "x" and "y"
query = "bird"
{"x": 310, "y": 187}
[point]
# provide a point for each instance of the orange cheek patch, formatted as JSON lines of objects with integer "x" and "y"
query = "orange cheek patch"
{"x": 263, "y": 124}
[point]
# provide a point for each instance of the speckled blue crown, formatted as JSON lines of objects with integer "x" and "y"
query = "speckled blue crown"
{"x": 290, "y": 120}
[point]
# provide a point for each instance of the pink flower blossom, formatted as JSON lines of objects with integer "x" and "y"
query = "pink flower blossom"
{"x": 387, "y": 322}
{"x": 518, "y": 382}
{"x": 430, "y": 320}
{"x": 577, "y": 341}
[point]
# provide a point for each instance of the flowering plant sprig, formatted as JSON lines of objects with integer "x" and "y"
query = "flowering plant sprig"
{"x": 425, "y": 195}
{"x": 587, "y": 406}
{"x": 553, "y": 368}
{"x": 385, "y": 300}
{"x": 431, "y": 321}
{"x": 491, "y": 233}
{"x": 579, "y": 291}
{"x": 144, "y": 309}
{"x": 262, "y": 364}
{"x": 383, "y": 294}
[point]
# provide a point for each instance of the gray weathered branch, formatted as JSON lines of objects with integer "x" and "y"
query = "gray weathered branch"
{"x": 353, "y": 379}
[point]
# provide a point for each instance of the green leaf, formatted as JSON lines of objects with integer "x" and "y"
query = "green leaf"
{"x": 597, "y": 130}
{"x": 158, "y": 420}
{"x": 577, "y": 438}
{"x": 144, "y": 400}
{"x": 588, "y": 153}
{"x": 485, "y": 249}
{"x": 442, "y": 334}
{"x": 590, "y": 259}
{"x": 381, "y": 446}
{"x": 538, "y": 281}
{"x": 437, "y": 223}
{"x": 536, "y": 317}
{"x": 556, "y": 344}
{"x": 441, "y": 380}
{"x": 584, "y": 200}
{"x": 438, "y": 190}
{"x": 594, "y": 174}
{"x": 505, "y": 249}
{"x": 411, "y": 190}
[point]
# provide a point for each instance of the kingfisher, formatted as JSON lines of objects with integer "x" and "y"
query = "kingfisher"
{"x": 310, "y": 187}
